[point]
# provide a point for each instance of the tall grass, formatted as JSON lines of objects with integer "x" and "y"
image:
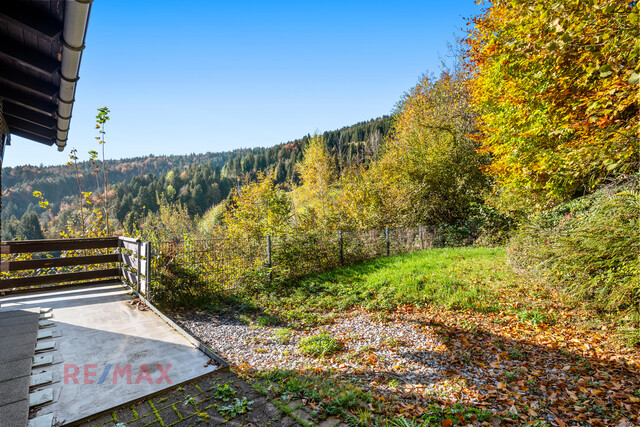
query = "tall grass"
{"x": 590, "y": 248}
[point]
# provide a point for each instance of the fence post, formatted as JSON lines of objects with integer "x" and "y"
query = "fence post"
{"x": 268, "y": 251}
{"x": 341, "y": 253}
{"x": 120, "y": 246}
{"x": 138, "y": 256}
{"x": 386, "y": 237}
{"x": 147, "y": 272}
{"x": 421, "y": 239}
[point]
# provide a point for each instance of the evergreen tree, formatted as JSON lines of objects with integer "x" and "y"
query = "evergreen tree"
{"x": 10, "y": 228}
{"x": 29, "y": 228}
{"x": 281, "y": 173}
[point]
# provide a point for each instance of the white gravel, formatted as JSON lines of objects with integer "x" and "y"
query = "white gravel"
{"x": 370, "y": 347}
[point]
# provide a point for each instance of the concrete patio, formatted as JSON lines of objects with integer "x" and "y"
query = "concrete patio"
{"x": 90, "y": 350}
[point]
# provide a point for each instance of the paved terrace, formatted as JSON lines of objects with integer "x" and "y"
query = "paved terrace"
{"x": 72, "y": 353}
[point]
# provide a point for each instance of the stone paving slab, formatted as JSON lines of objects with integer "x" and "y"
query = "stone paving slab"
{"x": 14, "y": 369}
{"x": 28, "y": 319}
{"x": 42, "y": 360}
{"x": 17, "y": 352}
{"x": 199, "y": 403}
{"x": 41, "y": 421}
{"x": 15, "y": 313}
{"x": 13, "y": 390}
{"x": 37, "y": 380}
{"x": 16, "y": 340}
{"x": 41, "y": 397}
{"x": 18, "y": 336}
{"x": 15, "y": 414}
{"x": 45, "y": 333}
{"x": 18, "y": 329}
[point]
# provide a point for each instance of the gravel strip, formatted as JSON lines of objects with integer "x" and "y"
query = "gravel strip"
{"x": 398, "y": 348}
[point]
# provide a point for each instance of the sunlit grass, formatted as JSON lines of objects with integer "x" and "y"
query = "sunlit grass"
{"x": 455, "y": 278}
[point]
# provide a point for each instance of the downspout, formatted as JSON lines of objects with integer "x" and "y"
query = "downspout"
{"x": 76, "y": 20}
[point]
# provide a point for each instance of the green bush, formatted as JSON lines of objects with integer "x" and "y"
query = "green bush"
{"x": 301, "y": 253}
{"x": 180, "y": 286}
{"x": 590, "y": 247}
{"x": 319, "y": 345}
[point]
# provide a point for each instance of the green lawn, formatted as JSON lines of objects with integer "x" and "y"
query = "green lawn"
{"x": 456, "y": 278}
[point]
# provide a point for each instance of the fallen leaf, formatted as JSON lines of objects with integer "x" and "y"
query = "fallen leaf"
{"x": 560, "y": 422}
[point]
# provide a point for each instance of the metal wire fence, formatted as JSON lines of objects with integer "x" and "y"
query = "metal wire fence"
{"x": 232, "y": 265}
{"x": 220, "y": 262}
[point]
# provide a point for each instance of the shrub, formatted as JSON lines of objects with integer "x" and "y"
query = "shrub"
{"x": 319, "y": 345}
{"x": 180, "y": 286}
{"x": 301, "y": 253}
{"x": 590, "y": 247}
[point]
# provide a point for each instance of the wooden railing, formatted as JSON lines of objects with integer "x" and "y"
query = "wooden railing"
{"x": 125, "y": 259}
{"x": 135, "y": 256}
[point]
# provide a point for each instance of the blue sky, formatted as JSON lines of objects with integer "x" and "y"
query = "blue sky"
{"x": 197, "y": 76}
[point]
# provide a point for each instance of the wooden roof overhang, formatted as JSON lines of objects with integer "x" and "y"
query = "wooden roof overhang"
{"x": 41, "y": 43}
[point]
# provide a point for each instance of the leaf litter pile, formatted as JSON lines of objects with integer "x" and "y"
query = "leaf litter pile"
{"x": 532, "y": 359}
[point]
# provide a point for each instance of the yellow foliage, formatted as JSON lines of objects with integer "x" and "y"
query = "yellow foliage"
{"x": 259, "y": 210}
{"x": 316, "y": 199}
{"x": 557, "y": 87}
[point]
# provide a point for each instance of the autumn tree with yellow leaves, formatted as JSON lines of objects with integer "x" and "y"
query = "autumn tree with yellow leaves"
{"x": 556, "y": 84}
{"x": 431, "y": 172}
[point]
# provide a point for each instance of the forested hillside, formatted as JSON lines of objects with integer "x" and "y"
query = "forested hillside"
{"x": 59, "y": 183}
{"x": 198, "y": 181}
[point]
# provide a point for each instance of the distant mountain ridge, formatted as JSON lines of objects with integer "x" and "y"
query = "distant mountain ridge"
{"x": 196, "y": 180}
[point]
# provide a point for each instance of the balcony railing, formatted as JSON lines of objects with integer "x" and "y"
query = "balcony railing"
{"x": 28, "y": 264}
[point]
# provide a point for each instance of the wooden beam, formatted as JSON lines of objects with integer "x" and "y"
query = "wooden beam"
{"x": 132, "y": 262}
{"x": 31, "y": 116}
{"x": 21, "y": 125}
{"x": 37, "y": 128}
{"x": 13, "y": 77}
{"x": 33, "y": 264}
{"x": 58, "y": 278}
{"x": 11, "y": 50}
{"x": 112, "y": 281}
{"x": 32, "y": 137}
{"x": 30, "y": 19}
{"x": 27, "y": 100}
{"x": 22, "y": 92}
{"x": 54, "y": 245}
